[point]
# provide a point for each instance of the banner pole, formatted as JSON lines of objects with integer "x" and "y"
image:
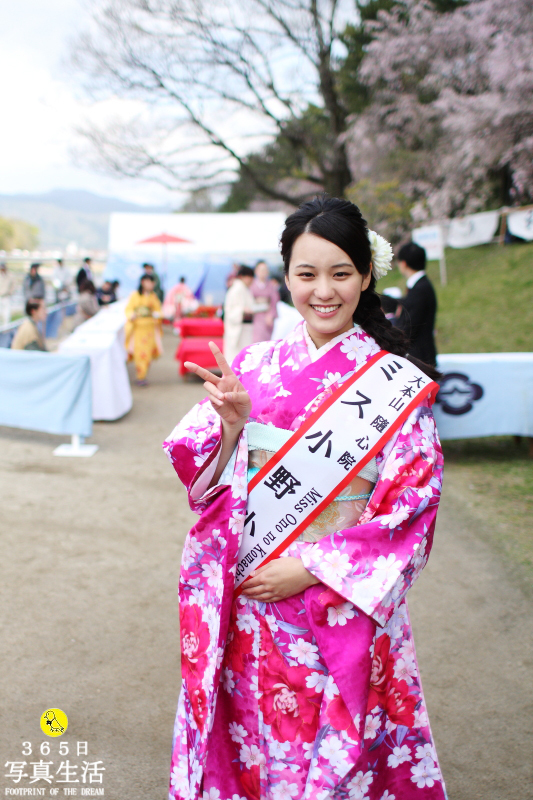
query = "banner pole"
{"x": 503, "y": 227}
{"x": 442, "y": 265}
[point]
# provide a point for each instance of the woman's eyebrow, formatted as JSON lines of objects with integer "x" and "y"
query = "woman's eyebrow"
{"x": 334, "y": 266}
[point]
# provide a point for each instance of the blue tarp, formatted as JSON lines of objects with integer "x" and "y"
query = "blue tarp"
{"x": 45, "y": 392}
{"x": 55, "y": 316}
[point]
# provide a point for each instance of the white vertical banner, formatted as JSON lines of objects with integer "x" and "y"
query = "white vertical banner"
{"x": 431, "y": 238}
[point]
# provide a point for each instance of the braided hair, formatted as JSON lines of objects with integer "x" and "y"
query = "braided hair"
{"x": 342, "y": 223}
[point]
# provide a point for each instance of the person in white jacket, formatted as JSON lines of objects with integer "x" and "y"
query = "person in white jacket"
{"x": 238, "y": 314}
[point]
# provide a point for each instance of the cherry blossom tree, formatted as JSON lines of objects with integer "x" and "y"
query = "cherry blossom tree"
{"x": 452, "y": 109}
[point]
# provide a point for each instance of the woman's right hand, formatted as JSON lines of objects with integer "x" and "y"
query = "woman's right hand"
{"x": 228, "y": 396}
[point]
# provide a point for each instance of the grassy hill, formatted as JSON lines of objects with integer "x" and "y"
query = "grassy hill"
{"x": 487, "y": 305}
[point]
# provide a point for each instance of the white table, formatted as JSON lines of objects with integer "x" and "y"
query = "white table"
{"x": 102, "y": 339}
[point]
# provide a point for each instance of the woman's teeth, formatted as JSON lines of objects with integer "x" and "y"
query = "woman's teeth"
{"x": 325, "y": 309}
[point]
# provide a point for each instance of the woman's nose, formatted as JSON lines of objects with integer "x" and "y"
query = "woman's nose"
{"x": 324, "y": 290}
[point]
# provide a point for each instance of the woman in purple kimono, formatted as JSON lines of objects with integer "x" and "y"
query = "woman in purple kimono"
{"x": 266, "y": 296}
{"x": 306, "y": 685}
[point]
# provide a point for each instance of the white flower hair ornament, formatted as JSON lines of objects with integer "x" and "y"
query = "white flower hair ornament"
{"x": 381, "y": 254}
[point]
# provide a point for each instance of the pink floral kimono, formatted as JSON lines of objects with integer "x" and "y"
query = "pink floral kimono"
{"x": 317, "y": 696}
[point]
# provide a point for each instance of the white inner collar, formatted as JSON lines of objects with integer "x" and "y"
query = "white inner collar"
{"x": 410, "y": 282}
{"x": 316, "y": 353}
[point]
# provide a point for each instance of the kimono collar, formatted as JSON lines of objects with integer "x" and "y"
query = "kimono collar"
{"x": 317, "y": 352}
{"x": 303, "y": 379}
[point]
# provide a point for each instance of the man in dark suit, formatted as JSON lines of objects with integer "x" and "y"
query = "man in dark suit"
{"x": 417, "y": 310}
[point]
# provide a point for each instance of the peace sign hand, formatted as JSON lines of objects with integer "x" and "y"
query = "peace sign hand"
{"x": 228, "y": 396}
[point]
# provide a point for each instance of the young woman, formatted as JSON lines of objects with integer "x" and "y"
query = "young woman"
{"x": 306, "y": 685}
{"x": 266, "y": 295}
{"x": 143, "y": 329}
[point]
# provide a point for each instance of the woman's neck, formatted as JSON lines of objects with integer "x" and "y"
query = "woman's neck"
{"x": 320, "y": 339}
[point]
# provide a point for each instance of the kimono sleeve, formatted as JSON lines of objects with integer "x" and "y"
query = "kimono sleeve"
{"x": 193, "y": 448}
{"x": 374, "y": 563}
{"x": 131, "y": 306}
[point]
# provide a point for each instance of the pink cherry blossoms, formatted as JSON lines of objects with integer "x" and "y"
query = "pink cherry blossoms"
{"x": 452, "y": 110}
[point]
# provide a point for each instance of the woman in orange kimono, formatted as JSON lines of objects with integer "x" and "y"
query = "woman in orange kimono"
{"x": 143, "y": 329}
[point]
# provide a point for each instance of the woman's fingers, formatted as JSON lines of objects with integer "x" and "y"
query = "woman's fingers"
{"x": 240, "y": 398}
{"x": 252, "y": 582}
{"x": 202, "y": 373}
{"x": 212, "y": 389}
{"x": 254, "y": 593}
{"x": 221, "y": 361}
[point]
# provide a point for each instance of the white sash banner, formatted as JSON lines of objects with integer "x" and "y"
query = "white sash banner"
{"x": 325, "y": 454}
{"x": 473, "y": 229}
{"x": 520, "y": 223}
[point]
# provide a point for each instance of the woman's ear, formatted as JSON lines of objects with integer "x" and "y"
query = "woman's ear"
{"x": 287, "y": 282}
{"x": 366, "y": 280}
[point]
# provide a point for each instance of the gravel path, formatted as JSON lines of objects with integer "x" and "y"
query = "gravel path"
{"x": 91, "y": 557}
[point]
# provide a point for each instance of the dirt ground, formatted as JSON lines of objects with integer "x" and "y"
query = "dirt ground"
{"x": 91, "y": 553}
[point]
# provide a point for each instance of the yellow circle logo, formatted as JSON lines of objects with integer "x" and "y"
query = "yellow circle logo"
{"x": 54, "y": 722}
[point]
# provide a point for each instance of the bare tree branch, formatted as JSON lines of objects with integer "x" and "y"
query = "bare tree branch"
{"x": 227, "y": 70}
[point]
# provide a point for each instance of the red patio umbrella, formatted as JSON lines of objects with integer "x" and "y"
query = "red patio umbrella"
{"x": 164, "y": 239}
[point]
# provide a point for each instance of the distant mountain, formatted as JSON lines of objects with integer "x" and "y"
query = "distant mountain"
{"x": 69, "y": 215}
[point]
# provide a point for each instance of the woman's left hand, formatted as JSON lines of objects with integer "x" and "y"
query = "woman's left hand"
{"x": 277, "y": 580}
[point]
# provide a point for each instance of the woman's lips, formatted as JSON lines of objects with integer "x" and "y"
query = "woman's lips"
{"x": 325, "y": 311}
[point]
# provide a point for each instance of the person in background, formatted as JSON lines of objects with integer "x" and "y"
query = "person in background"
{"x": 105, "y": 294}
{"x": 33, "y": 285}
{"x": 114, "y": 286}
{"x": 179, "y": 300}
{"x": 148, "y": 269}
{"x": 87, "y": 303}
{"x": 389, "y": 302}
{"x": 85, "y": 273}
{"x": 7, "y": 288}
{"x": 28, "y": 335}
{"x": 143, "y": 329}
{"x": 62, "y": 281}
{"x": 417, "y": 310}
{"x": 266, "y": 296}
{"x": 232, "y": 274}
{"x": 238, "y": 316}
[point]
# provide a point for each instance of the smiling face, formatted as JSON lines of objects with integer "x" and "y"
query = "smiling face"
{"x": 325, "y": 286}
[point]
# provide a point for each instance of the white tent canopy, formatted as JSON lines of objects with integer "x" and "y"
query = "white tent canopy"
{"x": 206, "y": 233}
{"x": 191, "y": 244}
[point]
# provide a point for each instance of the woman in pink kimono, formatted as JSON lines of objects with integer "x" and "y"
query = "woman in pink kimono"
{"x": 306, "y": 685}
{"x": 266, "y": 296}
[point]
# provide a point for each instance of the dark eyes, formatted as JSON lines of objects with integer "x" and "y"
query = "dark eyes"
{"x": 339, "y": 274}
